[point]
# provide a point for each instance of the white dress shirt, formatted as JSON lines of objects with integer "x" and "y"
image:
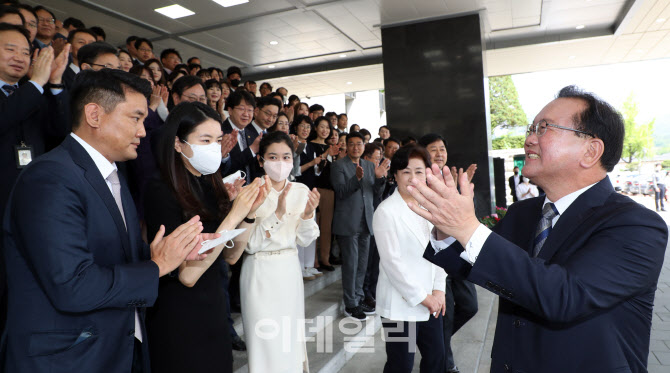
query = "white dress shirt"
{"x": 106, "y": 168}
{"x": 481, "y": 234}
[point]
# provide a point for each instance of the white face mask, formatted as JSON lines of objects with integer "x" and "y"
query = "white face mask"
{"x": 278, "y": 170}
{"x": 526, "y": 180}
{"x": 206, "y": 158}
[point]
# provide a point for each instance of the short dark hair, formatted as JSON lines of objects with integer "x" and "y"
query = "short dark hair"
{"x": 267, "y": 85}
{"x": 277, "y": 95}
{"x": 100, "y": 32}
{"x": 106, "y": 87}
{"x": 401, "y": 158}
{"x": 268, "y": 100}
{"x": 370, "y": 149}
{"x": 175, "y": 73}
{"x": 70, "y": 21}
{"x": 233, "y": 70}
{"x": 250, "y": 82}
{"x": 408, "y": 140}
{"x": 191, "y": 59}
{"x": 236, "y": 98}
{"x": 330, "y": 114}
{"x": 382, "y": 127}
{"x": 20, "y": 29}
{"x": 192, "y": 66}
{"x": 26, "y": 7}
{"x": 316, "y": 107}
{"x": 351, "y": 128}
{"x": 391, "y": 138}
{"x": 275, "y": 137}
{"x": 600, "y": 120}
{"x": 39, "y": 7}
{"x": 212, "y": 83}
{"x": 203, "y": 72}
{"x": 342, "y": 115}
{"x": 90, "y": 52}
{"x": 131, "y": 39}
{"x": 169, "y": 51}
{"x": 186, "y": 82}
{"x": 293, "y": 97}
{"x": 355, "y": 135}
{"x": 139, "y": 42}
{"x": 364, "y": 132}
{"x": 6, "y": 9}
{"x": 430, "y": 138}
{"x": 73, "y": 33}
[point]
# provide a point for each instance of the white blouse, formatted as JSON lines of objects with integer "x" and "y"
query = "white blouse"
{"x": 286, "y": 232}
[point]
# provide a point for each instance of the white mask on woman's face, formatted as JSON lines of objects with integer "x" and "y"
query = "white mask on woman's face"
{"x": 206, "y": 159}
{"x": 278, "y": 170}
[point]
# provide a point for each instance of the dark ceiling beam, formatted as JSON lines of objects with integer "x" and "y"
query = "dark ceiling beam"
{"x": 309, "y": 69}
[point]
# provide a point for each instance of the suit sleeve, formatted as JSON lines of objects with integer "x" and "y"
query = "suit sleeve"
{"x": 344, "y": 186}
{"x": 618, "y": 261}
{"x": 51, "y": 228}
{"x": 20, "y": 105}
{"x": 59, "y": 124}
{"x": 240, "y": 160}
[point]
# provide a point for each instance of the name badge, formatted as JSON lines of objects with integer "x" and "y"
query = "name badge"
{"x": 24, "y": 155}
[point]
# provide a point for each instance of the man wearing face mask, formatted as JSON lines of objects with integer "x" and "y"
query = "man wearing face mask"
{"x": 234, "y": 76}
{"x": 513, "y": 182}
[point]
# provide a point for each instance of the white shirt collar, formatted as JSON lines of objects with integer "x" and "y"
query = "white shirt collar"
{"x": 104, "y": 166}
{"x": 563, "y": 203}
{"x": 75, "y": 68}
{"x": 257, "y": 127}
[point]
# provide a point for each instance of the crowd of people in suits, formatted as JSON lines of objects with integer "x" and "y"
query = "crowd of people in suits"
{"x": 121, "y": 166}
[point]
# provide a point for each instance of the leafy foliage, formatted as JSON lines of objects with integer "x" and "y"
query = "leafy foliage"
{"x": 508, "y": 142}
{"x": 506, "y": 110}
{"x": 639, "y": 141}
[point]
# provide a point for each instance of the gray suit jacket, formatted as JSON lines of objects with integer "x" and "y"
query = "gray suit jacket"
{"x": 353, "y": 198}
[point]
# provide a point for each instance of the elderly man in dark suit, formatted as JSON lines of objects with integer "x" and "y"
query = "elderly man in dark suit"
{"x": 79, "y": 274}
{"x": 32, "y": 116}
{"x": 576, "y": 270}
{"x": 356, "y": 183}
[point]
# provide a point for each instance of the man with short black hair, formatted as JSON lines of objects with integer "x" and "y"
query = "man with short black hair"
{"x": 234, "y": 76}
{"x": 576, "y": 271}
{"x": 77, "y": 39}
{"x": 30, "y": 18}
{"x": 356, "y": 182}
{"x": 250, "y": 85}
{"x": 170, "y": 58}
{"x": 144, "y": 49}
{"x": 514, "y": 181}
{"x": 32, "y": 116}
{"x": 100, "y": 34}
{"x": 98, "y": 55}
{"x": 391, "y": 145}
{"x": 283, "y": 91}
{"x": 79, "y": 274}
{"x": 384, "y": 132}
{"x": 130, "y": 46}
{"x": 11, "y": 15}
{"x": 46, "y": 27}
{"x": 266, "y": 89}
{"x": 315, "y": 111}
{"x": 194, "y": 60}
{"x": 342, "y": 123}
{"x": 189, "y": 89}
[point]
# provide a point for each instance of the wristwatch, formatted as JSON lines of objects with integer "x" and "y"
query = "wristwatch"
{"x": 249, "y": 221}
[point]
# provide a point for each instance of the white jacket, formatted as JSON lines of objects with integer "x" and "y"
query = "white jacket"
{"x": 405, "y": 277}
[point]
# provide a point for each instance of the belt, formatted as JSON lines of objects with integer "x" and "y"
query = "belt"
{"x": 275, "y": 252}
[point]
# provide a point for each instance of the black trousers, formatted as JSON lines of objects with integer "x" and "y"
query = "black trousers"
{"x": 137, "y": 358}
{"x": 461, "y": 302}
{"x": 372, "y": 274}
{"x": 402, "y": 339}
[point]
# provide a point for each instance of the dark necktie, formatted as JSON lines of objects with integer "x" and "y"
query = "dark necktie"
{"x": 9, "y": 89}
{"x": 549, "y": 212}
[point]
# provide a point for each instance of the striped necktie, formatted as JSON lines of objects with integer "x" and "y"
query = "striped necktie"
{"x": 9, "y": 89}
{"x": 549, "y": 212}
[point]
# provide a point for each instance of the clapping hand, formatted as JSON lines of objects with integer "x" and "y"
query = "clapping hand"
{"x": 470, "y": 171}
{"x": 383, "y": 168}
{"x": 359, "y": 171}
{"x": 334, "y": 150}
{"x": 59, "y": 65}
{"x": 312, "y": 204}
{"x": 234, "y": 189}
{"x": 451, "y": 212}
{"x": 264, "y": 191}
{"x": 228, "y": 142}
{"x": 281, "y": 201}
{"x": 42, "y": 60}
{"x": 245, "y": 200}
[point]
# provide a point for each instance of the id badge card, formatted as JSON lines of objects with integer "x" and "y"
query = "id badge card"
{"x": 24, "y": 155}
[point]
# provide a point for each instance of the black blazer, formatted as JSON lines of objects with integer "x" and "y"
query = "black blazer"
{"x": 75, "y": 273}
{"x": 512, "y": 186}
{"x": 585, "y": 303}
{"x": 68, "y": 77}
{"x": 239, "y": 160}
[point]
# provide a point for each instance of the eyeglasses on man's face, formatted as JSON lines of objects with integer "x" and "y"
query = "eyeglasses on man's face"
{"x": 46, "y": 21}
{"x": 269, "y": 114}
{"x": 106, "y": 66}
{"x": 242, "y": 109}
{"x": 194, "y": 98}
{"x": 540, "y": 128}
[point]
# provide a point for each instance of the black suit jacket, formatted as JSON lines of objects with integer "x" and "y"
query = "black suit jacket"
{"x": 75, "y": 273}
{"x": 68, "y": 77}
{"x": 585, "y": 303}
{"x": 512, "y": 186}
{"x": 239, "y": 160}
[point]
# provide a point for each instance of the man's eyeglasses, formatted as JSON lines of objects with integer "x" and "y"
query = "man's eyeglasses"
{"x": 273, "y": 116}
{"x": 540, "y": 128}
{"x": 193, "y": 98}
{"x": 145, "y": 50}
{"x": 245, "y": 110}
{"x": 32, "y": 24}
{"x": 106, "y": 66}
{"x": 48, "y": 21}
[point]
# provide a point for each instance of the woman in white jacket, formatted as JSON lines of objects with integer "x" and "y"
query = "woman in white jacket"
{"x": 410, "y": 296}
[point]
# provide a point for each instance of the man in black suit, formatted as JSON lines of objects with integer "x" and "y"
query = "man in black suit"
{"x": 241, "y": 106}
{"x": 30, "y": 115}
{"x": 576, "y": 270}
{"x": 513, "y": 182}
{"x": 77, "y": 39}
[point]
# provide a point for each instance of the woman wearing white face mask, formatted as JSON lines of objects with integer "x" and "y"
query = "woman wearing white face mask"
{"x": 191, "y": 306}
{"x": 526, "y": 190}
{"x": 271, "y": 284}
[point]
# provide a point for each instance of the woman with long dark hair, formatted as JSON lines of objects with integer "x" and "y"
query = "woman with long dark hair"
{"x": 187, "y": 325}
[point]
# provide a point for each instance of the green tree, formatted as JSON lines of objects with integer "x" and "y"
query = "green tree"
{"x": 506, "y": 110}
{"x": 508, "y": 142}
{"x": 639, "y": 140}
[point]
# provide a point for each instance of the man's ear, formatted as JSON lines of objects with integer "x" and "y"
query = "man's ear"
{"x": 593, "y": 152}
{"x": 93, "y": 114}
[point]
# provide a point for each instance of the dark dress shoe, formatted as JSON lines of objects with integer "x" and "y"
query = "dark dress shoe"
{"x": 453, "y": 370}
{"x": 335, "y": 261}
{"x": 370, "y": 301}
{"x": 238, "y": 344}
{"x": 327, "y": 268}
